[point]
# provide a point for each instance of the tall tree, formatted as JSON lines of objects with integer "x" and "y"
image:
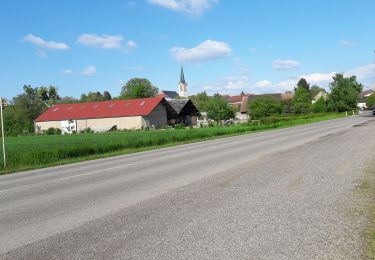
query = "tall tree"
{"x": 303, "y": 84}
{"x": 301, "y": 100}
{"x": 107, "y": 95}
{"x": 344, "y": 94}
{"x": 138, "y": 88}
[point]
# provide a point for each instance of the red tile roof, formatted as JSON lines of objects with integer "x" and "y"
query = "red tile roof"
{"x": 238, "y": 99}
{"x": 105, "y": 109}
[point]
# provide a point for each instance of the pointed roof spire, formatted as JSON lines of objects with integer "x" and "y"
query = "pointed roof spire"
{"x": 182, "y": 76}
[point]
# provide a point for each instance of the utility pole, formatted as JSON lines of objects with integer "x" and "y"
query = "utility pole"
{"x": 3, "y": 102}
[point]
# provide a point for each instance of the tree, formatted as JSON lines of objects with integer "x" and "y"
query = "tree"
{"x": 344, "y": 94}
{"x": 264, "y": 106}
{"x": 301, "y": 100}
{"x": 200, "y": 101}
{"x": 26, "y": 107}
{"x": 95, "y": 96}
{"x": 138, "y": 88}
{"x": 107, "y": 95}
{"x": 319, "y": 106}
{"x": 218, "y": 109}
{"x": 287, "y": 106}
{"x": 303, "y": 84}
{"x": 370, "y": 100}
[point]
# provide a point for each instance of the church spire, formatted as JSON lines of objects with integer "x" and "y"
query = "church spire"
{"x": 182, "y": 76}
{"x": 182, "y": 86}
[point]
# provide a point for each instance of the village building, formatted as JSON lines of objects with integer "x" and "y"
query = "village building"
{"x": 187, "y": 112}
{"x": 103, "y": 116}
{"x": 287, "y": 96}
{"x": 363, "y": 98}
{"x": 182, "y": 86}
{"x": 321, "y": 94}
{"x": 168, "y": 94}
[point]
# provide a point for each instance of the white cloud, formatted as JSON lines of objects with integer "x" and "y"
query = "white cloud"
{"x": 206, "y": 50}
{"x": 50, "y": 45}
{"x": 194, "y": 7}
{"x": 285, "y": 64}
{"x": 131, "y": 45}
{"x": 89, "y": 70}
{"x": 103, "y": 41}
{"x": 263, "y": 83}
{"x": 234, "y": 84}
{"x": 346, "y": 43}
{"x": 67, "y": 71}
{"x": 363, "y": 72}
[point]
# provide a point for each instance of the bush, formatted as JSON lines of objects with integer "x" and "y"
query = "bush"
{"x": 53, "y": 131}
{"x": 264, "y": 106}
{"x": 319, "y": 106}
{"x": 87, "y": 130}
{"x": 180, "y": 126}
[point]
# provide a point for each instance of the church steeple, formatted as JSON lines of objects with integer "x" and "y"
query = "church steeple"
{"x": 182, "y": 86}
{"x": 182, "y": 76}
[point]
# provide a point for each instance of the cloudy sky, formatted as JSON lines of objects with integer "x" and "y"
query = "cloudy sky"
{"x": 255, "y": 46}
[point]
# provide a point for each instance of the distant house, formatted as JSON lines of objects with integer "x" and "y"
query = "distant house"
{"x": 168, "y": 94}
{"x": 363, "y": 98}
{"x": 242, "y": 116}
{"x": 288, "y": 95}
{"x": 321, "y": 94}
{"x": 187, "y": 112}
{"x": 236, "y": 101}
{"x": 106, "y": 115}
{"x": 246, "y": 100}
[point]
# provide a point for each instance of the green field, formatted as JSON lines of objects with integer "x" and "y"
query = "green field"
{"x": 31, "y": 152}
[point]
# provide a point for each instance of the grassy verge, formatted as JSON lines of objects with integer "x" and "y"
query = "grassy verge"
{"x": 32, "y": 152}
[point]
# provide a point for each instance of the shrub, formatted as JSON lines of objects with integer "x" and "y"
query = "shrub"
{"x": 264, "y": 106}
{"x": 319, "y": 106}
{"x": 87, "y": 130}
{"x": 53, "y": 131}
{"x": 180, "y": 126}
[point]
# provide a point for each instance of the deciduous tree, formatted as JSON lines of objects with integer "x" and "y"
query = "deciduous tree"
{"x": 138, "y": 88}
{"x": 344, "y": 94}
{"x": 264, "y": 106}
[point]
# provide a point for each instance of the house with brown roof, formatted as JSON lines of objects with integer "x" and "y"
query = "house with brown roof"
{"x": 187, "y": 112}
{"x": 103, "y": 116}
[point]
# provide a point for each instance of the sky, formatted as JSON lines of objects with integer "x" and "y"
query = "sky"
{"x": 255, "y": 46}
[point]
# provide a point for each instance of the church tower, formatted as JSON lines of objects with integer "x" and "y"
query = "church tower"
{"x": 182, "y": 86}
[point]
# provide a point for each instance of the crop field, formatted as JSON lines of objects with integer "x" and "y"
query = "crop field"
{"x": 31, "y": 152}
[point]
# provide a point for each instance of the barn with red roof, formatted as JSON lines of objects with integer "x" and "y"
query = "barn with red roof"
{"x": 129, "y": 114}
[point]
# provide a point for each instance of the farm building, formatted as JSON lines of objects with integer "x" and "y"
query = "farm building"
{"x": 187, "y": 112}
{"x": 106, "y": 115}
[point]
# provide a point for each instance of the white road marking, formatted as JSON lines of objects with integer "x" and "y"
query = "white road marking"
{"x": 67, "y": 178}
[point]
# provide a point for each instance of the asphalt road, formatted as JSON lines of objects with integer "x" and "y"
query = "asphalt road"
{"x": 279, "y": 194}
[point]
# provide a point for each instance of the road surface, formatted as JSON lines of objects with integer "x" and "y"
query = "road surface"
{"x": 279, "y": 194}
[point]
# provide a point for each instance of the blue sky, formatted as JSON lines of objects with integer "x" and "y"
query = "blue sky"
{"x": 255, "y": 46}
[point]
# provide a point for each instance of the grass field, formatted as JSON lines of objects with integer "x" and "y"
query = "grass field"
{"x": 31, "y": 152}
